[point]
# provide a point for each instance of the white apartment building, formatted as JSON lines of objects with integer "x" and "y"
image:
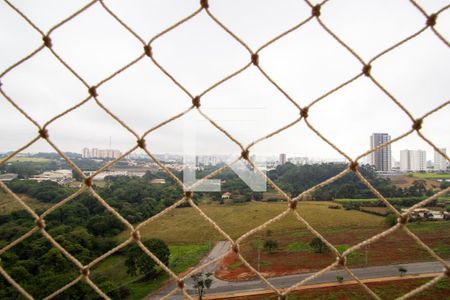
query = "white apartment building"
{"x": 440, "y": 163}
{"x": 413, "y": 160}
{"x": 100, "y": 153}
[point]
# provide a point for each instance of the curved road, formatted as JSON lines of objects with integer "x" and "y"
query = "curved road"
{"x": 220, "y": 286}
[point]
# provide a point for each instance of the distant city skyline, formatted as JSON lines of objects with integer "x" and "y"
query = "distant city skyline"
{"x": 211, "y": 157}
{"x": 100, "y": 153}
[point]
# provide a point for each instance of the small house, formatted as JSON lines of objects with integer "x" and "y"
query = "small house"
{"x": 435, "y": 215}
{"x": 226, "y": 195}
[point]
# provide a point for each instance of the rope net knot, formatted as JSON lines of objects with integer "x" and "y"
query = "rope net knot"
{"x": 316, "y": 10}
{"x": 43, "y": 133}
{"x": 47, "y": 41}
{"x": 148, "y": 50}
{"x": 417, "y": 125}
{"x": 431, "y": 21}
{"x": 196, "y": 101}
{"x": 93, "y": 91}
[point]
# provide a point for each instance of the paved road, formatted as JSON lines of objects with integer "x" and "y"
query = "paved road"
{"x": 219, "y": 249}
{"x": 220, "y": 286}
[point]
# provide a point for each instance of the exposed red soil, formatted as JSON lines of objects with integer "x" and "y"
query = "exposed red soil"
{"x": 395, "y": 248}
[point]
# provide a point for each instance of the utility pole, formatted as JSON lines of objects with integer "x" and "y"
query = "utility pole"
{"x": 259, "y": 259}
{"x": 365, "y": 248}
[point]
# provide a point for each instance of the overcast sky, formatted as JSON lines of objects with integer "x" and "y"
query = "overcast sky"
{"x": 306, "y": 63}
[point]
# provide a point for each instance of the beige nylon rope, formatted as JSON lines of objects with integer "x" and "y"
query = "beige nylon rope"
{"x": 429, "y": 22}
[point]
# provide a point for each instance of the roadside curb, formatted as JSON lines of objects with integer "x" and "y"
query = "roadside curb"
{"x": 232, "y": 295}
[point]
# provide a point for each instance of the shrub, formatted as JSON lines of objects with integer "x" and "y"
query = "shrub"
{"x": 202, "y": 281}
{"x": 335, "y": 207}
{"x": 140, "y": 263}
{"x": 270, "y": 246}
{"x": 391, "y": 220}
{"x": 318, "y": 245}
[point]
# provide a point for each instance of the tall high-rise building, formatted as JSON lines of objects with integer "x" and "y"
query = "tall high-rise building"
{"x": 440, "y": 163}
{"x": 381, "y": 159}
{"x": 413, "y": 160}
{"x": 86, "y": 153}
{"x": 94, "y": 152}
{"x": 282, "y": 159}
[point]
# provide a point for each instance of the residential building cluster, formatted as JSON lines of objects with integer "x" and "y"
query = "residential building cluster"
{"x": 410, "y": 160}
{"x": 100, "y": 153}
{"x": 427, "y": 214}
{"x": 102, "y": 175}
{"x": 58, "y": 176}
{"x": 296, "y": 160}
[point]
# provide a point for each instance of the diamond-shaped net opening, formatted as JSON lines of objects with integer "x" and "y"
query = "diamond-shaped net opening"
{"x": 313, "y": 18}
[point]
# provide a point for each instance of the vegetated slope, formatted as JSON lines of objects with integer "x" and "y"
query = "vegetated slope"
{"x": 404, "y": 181}
{"x": 185, "y": 225}
{"x": 8, "y": 204}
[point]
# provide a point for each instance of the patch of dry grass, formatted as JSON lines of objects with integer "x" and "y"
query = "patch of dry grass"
{"x": 185, "y": 225}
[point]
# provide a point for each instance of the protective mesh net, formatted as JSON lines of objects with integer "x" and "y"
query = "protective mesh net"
{"x": 429, "y": 22}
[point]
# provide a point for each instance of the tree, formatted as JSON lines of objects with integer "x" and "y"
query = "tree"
{"x": 418, "y": 188}
{"x": 391, "y": 220}
{"x": 402, "y": 270}
{"x": 444, "y": 184}
{"x": 76, "y": 176}
{"x": 270, "y": 246}
{"x": 257, "y": 196}
{"x": 340, "y": 279}
{"x": 202, "y": 281}
{"x": 140, "y": 263}
{"x": 318, "y": 245}
{"x": 258, "y": 246}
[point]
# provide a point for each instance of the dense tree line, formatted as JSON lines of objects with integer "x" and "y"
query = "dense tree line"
{"x": 45, "y": 191}
{"x": 27, "y": 169}
{"x": 42, "y": 269}
{"x": 296, "y": 179}
{"x": 84, "y": 228}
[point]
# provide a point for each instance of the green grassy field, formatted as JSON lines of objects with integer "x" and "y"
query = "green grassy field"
{"x": 29, "y": 159}
{"x": 391, "y": 200}
{"x": 185, "y": 225}
{"x": 181, "y": 258}
{"x": 431, "y": 175}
